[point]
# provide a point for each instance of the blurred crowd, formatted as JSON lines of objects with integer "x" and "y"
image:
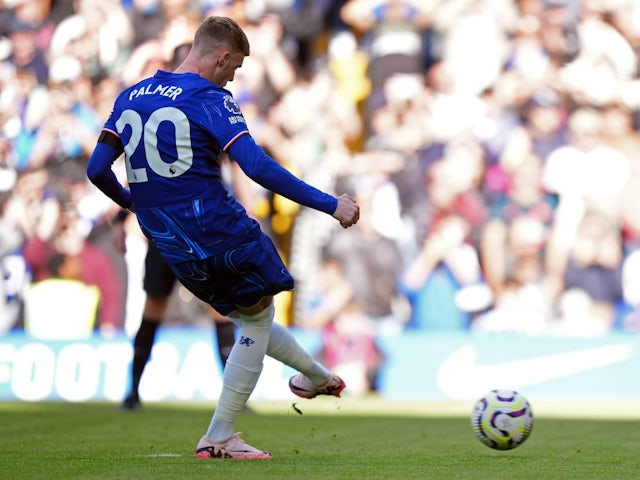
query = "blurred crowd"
{"x": 493, "y": 145}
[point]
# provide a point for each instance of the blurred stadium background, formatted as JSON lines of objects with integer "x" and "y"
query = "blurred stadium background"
{"x": 494, "y": 147}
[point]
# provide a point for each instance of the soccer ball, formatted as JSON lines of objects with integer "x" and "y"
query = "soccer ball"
{"x": 502, "y": 419}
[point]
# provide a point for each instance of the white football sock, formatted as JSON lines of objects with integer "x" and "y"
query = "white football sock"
{"x": 241, "y": 372}
{"x": 284, "y": 348}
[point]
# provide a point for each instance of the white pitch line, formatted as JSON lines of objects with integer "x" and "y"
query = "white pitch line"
{"x": 155, "y": 455}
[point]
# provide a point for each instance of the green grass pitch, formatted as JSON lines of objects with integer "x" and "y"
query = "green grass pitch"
{"x": 331, "y": 439}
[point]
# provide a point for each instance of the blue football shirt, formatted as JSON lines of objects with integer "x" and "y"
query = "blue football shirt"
{"x": 172, "y": 127}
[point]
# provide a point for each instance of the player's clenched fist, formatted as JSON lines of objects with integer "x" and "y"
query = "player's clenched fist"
{"x": 347, "y": 212}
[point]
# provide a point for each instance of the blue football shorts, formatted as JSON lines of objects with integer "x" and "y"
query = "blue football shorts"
{"x": 238, "y": 277}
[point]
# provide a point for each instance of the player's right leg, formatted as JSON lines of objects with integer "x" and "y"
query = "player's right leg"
{"x": 314, "y": 379}
{"x": 158, "y": 283}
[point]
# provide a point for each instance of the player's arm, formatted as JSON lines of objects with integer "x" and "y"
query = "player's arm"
{"x": 267, "y": 172}
{"x": 261, "y": 168}
{"x": 99, "y": 171}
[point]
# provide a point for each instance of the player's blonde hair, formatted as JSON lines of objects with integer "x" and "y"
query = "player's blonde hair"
{"x": 215, "y": 31}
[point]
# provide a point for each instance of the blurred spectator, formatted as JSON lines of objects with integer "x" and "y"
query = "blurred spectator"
{"x": 34, "y": 208}
{"x": 332, "y": 294}
{"x": 393, "y": 37}
{"x": 267, "y": 73}
{"x": 605, "y": 58}
{"x": 98, "y": 34}
{"x": 559, "y": 24}
{"x": 41, "y": 16}
{"x": 69, "y": 125}
{"x": 528, "y": 59}
{"x": 516, "y": 249}
{"x": 545, "y": 120}
{"x": 620, "y": 131}
{"x": 447, "y": 260}
{"x": 45, "y": 207}
{"x": 399, "y": 123}
{"x": 147, "y": 58}
{"x": 372, "y": 264}
{"x": 449, "y": 112}
{"x": 348, "y": 334}
{"x": 303, "y": 22}
{"x": 349, "y": 348}
{"x": 70, "y": 256}
{"x": 474, "y": 41}
{"x": 621, "y": 134}
{"x": 603, "y": 169}
{"x": 26, "y": 55}
{"x": 147, "y": 19}
{"x": 27, "y": 114}
{"x": 593, "y": 291}
{"x": 348, "y": 65}
{"x": 624, "y": 18}
{"x": 60, "y": 307}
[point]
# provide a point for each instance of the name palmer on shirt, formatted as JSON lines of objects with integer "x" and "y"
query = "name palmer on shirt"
{"x": 153, "y": 89}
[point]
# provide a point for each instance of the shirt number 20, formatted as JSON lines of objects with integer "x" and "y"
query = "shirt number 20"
{"x": 148, "y": 133}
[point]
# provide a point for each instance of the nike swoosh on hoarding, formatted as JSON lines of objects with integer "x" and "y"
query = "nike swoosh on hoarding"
{"x": 460, "y": 376}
